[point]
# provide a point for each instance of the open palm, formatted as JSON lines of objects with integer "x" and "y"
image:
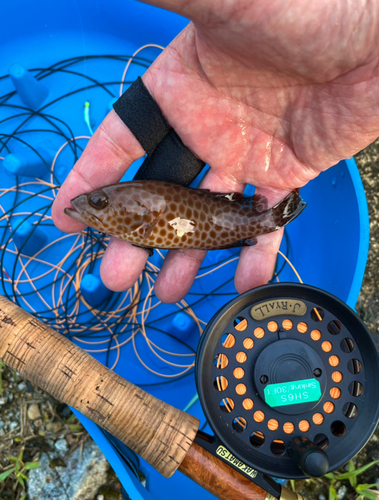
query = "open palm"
{"x": 268, "y": 95}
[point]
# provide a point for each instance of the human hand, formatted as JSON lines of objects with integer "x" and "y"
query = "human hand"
{"x": 267, "y": 93}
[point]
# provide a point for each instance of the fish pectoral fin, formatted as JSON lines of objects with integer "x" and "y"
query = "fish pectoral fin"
{"x": 148, "y": 229}
{"x": 149, "y": 226}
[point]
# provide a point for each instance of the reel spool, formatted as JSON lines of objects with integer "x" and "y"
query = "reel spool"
{"x": 287, "y": 376}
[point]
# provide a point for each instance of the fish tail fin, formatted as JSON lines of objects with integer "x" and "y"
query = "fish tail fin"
{"x": 288, "y": 209}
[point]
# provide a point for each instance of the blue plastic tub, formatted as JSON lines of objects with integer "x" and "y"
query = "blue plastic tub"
{"x": 328, "y": 244}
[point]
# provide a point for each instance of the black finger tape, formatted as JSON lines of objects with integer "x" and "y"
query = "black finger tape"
{"x": 142, "y": 115}
{"x": 171, "y": 161}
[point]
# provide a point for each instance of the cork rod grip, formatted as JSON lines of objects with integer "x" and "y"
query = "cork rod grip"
{"x": 156, "y": 431}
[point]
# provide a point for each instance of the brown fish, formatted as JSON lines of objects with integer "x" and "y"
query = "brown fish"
{"x": 154, "y": 214}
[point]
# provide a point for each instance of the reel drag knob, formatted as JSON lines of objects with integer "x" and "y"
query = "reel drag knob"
{"x": 308, "y": 457}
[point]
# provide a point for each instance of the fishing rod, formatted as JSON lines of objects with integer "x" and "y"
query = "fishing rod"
{"x": 159, "y": 433}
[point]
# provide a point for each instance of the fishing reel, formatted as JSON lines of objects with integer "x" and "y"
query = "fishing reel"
{"x": 288, "y": 379}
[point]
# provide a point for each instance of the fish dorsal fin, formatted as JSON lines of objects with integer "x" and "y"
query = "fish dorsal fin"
{"x": 259, "y": 203}
{"x": 230, "y": 196}
{"x": 256, "y": 203}
{"x": 215, "y": 194}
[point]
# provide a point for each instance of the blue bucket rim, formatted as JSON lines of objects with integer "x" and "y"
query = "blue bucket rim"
{"x": 364, "y": 233}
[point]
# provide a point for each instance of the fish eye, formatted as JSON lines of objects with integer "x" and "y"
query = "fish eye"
{"x": 98, "y": 200}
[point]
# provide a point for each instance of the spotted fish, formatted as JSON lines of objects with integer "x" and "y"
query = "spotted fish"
{"x": 154, "y": 214}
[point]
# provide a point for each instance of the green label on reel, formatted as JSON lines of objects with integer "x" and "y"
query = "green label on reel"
{"x": 292, "y": 393}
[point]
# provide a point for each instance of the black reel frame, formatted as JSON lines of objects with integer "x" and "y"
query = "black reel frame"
{"x": 276, "y": 334}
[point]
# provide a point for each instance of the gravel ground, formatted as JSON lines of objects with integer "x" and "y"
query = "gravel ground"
{"x": 368, "y": 308}
{"x": 38, "y": 426}
{"x": 32, "y": 422}
{"x": 368, "y": 303}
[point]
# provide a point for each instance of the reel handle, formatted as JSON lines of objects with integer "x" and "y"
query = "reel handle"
{"x": 311, "y": 459}
{"x": 156, "y": 431}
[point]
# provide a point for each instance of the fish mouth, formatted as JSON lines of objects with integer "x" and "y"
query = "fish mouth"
{"x": 74, "y": 214}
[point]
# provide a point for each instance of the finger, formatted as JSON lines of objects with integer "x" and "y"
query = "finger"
{"x": 108, "y": 154}
{"x": 256, "y": 264}
{"x": 177, "y": 274}
{"x": 122, "y": 265}
{"x": 181, "y": 266}
{"x": 193, "y": 9}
